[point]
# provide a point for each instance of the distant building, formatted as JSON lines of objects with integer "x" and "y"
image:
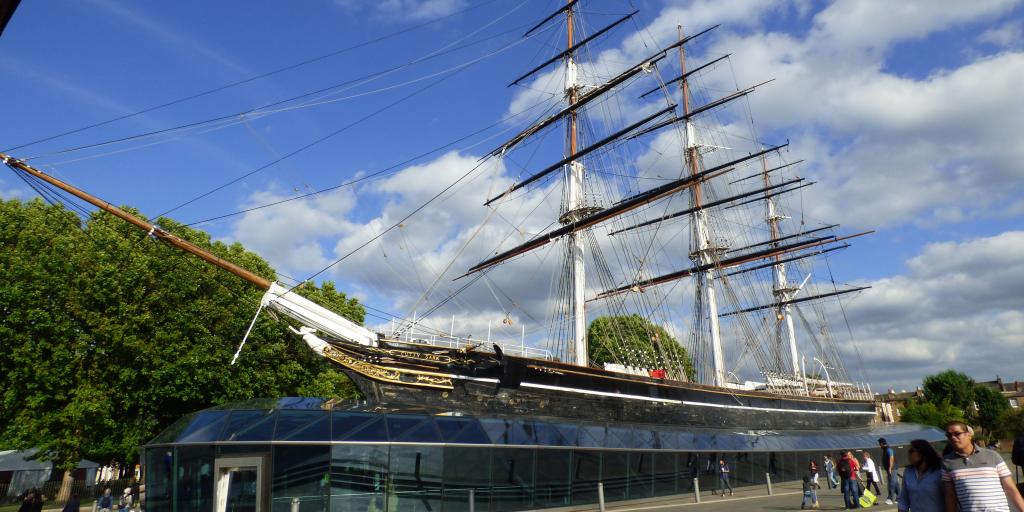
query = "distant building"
{"x": 890, "y": 402}
{"x": 1013, "y": 391}
{"x": 20, "y": 471}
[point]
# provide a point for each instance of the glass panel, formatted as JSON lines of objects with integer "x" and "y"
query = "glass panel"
{"x": 509, "y": 431}
{"x": 512, "y": 474}
{"x": 423, "y": 431}
{"x": 345, "y": 423}
{"x": 242, "y": 494}
{"x": 159, "y": 470}
{"x": 591, "y": 436}
{"x": 615, "y": 475}
{"x": 248, "y": 426}
{"x": 665, "y": 476}
{"x": 548, "y": 435}
{"x": 462, "y": 472}
{"x": 205, "y": 426}
{"x": 300, "y": 472}
{"x": 373, "y": 430}
{"x": 551, "y": 487}
{"x": 620, "y": 437}
{"x": 194, "y": 485}
{"x": 641, "y": 475}
{"x": 399, "y": 425}
{"x": 462, "y": 430}
{"x": 708, "y": 471}
{"x": 586, "y": 472}
{"x": 171, "y": 433}
{"x": 689, "y": 469}
{"x": 302, "y": 425}
{"x": 742, "y": 469}
{"x": 359, "y": 476}
{"x": 416, "y": 473}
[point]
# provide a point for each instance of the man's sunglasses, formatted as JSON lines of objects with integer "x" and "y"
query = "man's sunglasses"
{"x": 955, "y": 435}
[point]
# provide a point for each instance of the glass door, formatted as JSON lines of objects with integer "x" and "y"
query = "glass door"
{"x": 241, "y": 484}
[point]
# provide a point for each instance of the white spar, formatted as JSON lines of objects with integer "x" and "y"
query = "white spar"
{"x": 315, "y": 316}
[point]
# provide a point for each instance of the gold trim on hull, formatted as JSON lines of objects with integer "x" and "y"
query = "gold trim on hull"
{"x": 388, "y": 374}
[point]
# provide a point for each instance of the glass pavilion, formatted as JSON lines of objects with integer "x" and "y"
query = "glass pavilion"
{"x": 312, "y": 454}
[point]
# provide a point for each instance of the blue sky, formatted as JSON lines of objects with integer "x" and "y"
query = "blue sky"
{"x": 908, "y": 118}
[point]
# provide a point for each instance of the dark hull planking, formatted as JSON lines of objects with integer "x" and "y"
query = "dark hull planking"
{"x": 485, "y": 383}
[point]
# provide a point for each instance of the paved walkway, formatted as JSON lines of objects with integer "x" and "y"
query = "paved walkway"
{"x": 787, "y": 497}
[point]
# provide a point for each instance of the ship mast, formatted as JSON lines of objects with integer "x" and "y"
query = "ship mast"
{"x": 574, "y": 207}
{"x": 702, "y": 249}
{"x": 782, "y": 291}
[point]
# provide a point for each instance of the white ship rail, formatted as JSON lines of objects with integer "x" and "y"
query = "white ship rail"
{"x": 405, "y": 332}
{"x": 789, "y": 384}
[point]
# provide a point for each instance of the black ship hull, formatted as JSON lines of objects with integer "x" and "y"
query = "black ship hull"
{"x": 478, "y": 382}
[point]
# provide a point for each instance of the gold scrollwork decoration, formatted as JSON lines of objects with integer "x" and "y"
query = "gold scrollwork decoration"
{"x": 387, "y": 374}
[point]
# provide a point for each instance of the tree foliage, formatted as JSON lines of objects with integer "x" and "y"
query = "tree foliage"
{"x": 952, "y": 395}
{"x": 633, "y": 340}
{"x": 929, "y": 413}
{"x": 949, "y": 386}
{"x": 991, "y": 407}
{"x": 108, "y": 336}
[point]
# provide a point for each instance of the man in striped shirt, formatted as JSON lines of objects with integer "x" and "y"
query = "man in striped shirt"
{"x": 976, "y": 479}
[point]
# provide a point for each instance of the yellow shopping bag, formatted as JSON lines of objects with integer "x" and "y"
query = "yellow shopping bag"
{"x": 867, "y": 498}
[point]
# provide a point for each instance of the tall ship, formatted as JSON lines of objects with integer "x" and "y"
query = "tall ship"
{"x": 699, "y": 263}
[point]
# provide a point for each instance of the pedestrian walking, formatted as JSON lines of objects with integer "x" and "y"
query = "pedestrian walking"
{"x": 810, "y": 494}
{"x": 26, "y": 501}
{"x": 106, "y": 502}
{"x": 37, "y": 501}
{"x": 976, "y": 478}
{"x": 922, "y": 480}
{"x": 812, "y": 471}
{"x": 830, "y": 472}
{"x": 125, "y": 503}
{"x": 871, "y": 474}
{"x": 72, "y": 505}
{"x": 848, "y": 469}
{"x": 723, "y": 477}
{"x": 892, "y": 487}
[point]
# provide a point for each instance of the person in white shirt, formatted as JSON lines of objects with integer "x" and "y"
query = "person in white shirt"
{"x": 872, "y": 474}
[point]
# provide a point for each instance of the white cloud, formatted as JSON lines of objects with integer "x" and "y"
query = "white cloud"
{"x": 958, "y": 306}
{"x": 1007, "y": 35}
{"x": 409, "y": 10}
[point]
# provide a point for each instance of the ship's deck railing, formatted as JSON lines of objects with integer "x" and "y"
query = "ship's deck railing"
{"x": 408, "y": 334}
{"x": 789, "y": 384}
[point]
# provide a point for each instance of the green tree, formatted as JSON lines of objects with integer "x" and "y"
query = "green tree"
{"x": 925, "y": 412}
{"x": 991, "y": 407}
{"x": 109, "y": 336}
{"x": 1011, "y": 424}
{"x": 636, "y": 341}
{"x": 950, "y": 386}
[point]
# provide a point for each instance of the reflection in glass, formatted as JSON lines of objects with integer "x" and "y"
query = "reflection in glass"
{"x": 615, "y": 474}
{"x": 416, "y": 478}
{"x": 586, "y": 472}
{"x": 300, "y": 472}
{"x": 359, "y": 475}
{"x": 665, "y": 476}
{"x": 242, "y": 494}
{"x": 512, "y": 478}
{"x": 464, "y": 470}
{"x": 551, "y": 487}
{"x": 159, "y": 471}
{"x": 641, "y": 475}
{"x": 194, "y": 486}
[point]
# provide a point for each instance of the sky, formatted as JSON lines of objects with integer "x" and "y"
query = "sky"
{"x": 907, "y": 116}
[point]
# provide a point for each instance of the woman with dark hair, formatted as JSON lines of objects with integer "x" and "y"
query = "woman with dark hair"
{"x": 922, "y": 480}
